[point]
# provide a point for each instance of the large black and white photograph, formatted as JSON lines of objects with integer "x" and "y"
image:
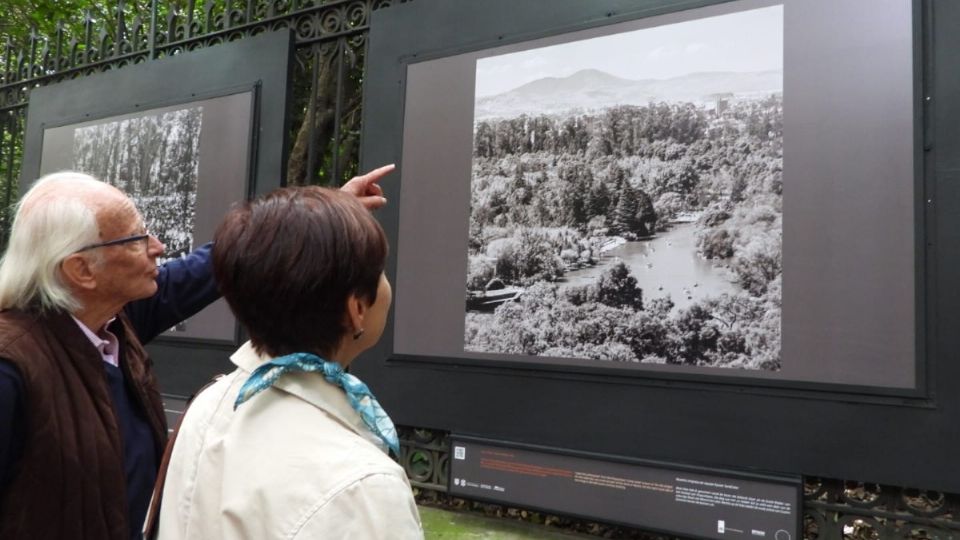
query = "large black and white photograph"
{"x": 183, "y": 165}
{"x": 626, "y": 200}
{"x": 155, "y": 160}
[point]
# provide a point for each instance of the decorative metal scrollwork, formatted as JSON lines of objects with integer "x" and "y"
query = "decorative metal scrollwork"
{"x": 100, "y": 46}
{"x": 424, "y": 456}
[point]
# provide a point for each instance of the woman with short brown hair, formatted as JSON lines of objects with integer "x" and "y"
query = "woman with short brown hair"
{"x": 289, "y": 445}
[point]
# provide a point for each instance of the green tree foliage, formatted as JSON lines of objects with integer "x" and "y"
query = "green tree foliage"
{"x": 19, "y": 19}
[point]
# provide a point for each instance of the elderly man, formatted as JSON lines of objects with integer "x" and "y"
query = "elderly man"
{"x": 82, "y": 427}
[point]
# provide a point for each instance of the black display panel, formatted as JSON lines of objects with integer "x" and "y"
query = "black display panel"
{"x": 158, "y": 157}
{"x": 870, "y": 207}
{"x": 698, "y": 503}
{"x": 649, "y": 196}
{"x": 186, "y": 136}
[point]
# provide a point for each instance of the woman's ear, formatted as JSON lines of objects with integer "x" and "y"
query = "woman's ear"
{"x": 78, "y": 272}
{"x": 356, "y": 312}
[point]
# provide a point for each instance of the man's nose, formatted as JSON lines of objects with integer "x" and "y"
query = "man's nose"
{"x": 155, "y": 247}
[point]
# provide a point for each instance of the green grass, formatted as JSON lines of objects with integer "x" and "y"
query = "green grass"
{"x": 446, "y": 525}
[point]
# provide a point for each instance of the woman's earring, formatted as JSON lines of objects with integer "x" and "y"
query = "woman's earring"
{"x": 357, "y": 334}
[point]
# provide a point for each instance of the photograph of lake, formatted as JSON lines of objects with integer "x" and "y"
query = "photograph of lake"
{"x": 626, "y": 197}
{"x": 154, "y": 158}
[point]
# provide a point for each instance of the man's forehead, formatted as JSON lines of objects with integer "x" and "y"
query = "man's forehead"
{"x": 123, "y": 213}
{"x": 95, "y": 195}
{"x": 114, "y": 211}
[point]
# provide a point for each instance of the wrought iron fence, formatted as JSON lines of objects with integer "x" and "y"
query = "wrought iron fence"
{"x": 331, "y": 39}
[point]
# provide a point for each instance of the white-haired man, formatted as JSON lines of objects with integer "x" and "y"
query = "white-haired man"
{"x": 82, "y": 427}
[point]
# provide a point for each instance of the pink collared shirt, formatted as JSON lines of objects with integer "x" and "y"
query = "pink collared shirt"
{"x": 108, "y": 347}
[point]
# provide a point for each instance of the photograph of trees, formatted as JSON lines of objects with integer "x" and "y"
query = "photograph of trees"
{"x": 155, "y": 159}
{"x": 626, "y": 197}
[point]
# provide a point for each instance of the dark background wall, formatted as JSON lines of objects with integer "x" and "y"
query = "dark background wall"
{"x": 819, "y": 430}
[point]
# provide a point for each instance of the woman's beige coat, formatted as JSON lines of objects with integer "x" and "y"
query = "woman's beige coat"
{"x": 295, "y": 461}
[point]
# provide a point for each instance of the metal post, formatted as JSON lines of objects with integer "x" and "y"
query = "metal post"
{"x": 153, "y": 30}
{"x": 311, "y": 117}
{"x": 338, "y": 112}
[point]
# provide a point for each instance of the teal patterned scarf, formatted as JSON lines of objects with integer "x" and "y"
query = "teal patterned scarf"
{"x": 359, "y": 396}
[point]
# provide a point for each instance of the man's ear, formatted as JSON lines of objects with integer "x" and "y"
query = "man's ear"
{"x": 356, "y": 312}
{"x": 77, "y": 272}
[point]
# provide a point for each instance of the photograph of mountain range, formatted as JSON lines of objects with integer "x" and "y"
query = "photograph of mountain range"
{"x": 626, "y": 197}
{"x": 593, "y": 90}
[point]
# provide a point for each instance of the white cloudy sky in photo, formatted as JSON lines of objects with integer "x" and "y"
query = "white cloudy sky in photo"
{"x": 742, "y": 42}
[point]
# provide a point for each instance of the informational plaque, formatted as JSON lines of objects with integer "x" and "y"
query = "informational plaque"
{"x": 673, "y": 498}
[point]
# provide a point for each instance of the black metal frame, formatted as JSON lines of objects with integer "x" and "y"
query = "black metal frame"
{"x": 612, "y": 11}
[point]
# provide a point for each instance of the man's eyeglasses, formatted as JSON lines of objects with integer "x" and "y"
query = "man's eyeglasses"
{"x": 117, "y": 242}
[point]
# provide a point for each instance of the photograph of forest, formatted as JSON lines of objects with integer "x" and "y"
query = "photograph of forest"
{"x": 626, "y": 197}
{"x": 155, "y": 159}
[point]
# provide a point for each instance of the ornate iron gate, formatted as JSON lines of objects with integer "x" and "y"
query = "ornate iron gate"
{"x": 330, "y": 49}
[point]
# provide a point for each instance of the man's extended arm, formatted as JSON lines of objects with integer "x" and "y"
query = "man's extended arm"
{"x": 184, "y": 287}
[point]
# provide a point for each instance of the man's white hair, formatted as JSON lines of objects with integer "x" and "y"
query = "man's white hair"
{"x": 51, "y": 223}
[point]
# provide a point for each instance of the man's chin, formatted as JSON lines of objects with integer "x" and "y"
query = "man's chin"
{"x": 147, "y": 293}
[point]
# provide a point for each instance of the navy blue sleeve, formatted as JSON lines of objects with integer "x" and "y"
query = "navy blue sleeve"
{"x": 184, "y": 286}
{"x": 11, "y": 422}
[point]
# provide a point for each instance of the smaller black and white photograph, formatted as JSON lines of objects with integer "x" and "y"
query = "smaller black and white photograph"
{"x": 155, "y": 159}
{"x": 182, "y": 164}
{"x": 627, "y": 197}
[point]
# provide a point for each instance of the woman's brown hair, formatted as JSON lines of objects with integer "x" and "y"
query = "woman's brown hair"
{"x": 287, "y": 262}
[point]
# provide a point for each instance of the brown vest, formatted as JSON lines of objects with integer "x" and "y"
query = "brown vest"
{"x": 70, "y": 481}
